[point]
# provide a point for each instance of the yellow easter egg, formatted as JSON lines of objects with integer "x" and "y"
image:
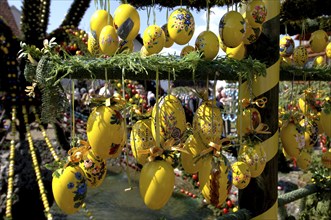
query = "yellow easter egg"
{"x": 222, "y": 46}
{"x": 286, "y": 46}
{"x": 237, "y": 53}
{"x": 186, "y": 50}
{"x": 232, "y": 29}
{"x": 125, "y": 46}
{"x": 153, "y": 39}
{"x": 300, "y": 56}
{"x": 92, "y": 45}
{"x": 144, "y": 52}
{"x": 319, "y": 61}
{"x": 256, "y": 13}
{"x": 241, "y": 174}
{"x": 248, "y": 121}
{"x": 328, "y": 50}
{"x": 293, "y": 141}
{"x": 193, "y": 145}
{"x": 94, "y": 169}
{"x": 108, "y": 40}
{"x": 325, "y": 119}
{"x": 252, "y": 34}
{"x": 126, "y": 22}
{"x": 141, "y": 138}
{"x": 69, "y": 188}
{"x": 318, "y": 41}
{"x": 326, "y": 159}
{"x": 255, "y": 157}
{"x": 207, "y": 44}
{"x": 304, "y": 160}
{"x": 168, "y": 41}
{"x": 181, "y": 26}
{"x": 208, "y": 123}
{"x": 98, "y": 20}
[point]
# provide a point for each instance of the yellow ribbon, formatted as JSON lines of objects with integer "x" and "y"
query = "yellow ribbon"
{"x": 260, "y": 129}
{"x": 261, "y": 102}
{"x": 216, "y": 148}
{"x": 77, "y": 154}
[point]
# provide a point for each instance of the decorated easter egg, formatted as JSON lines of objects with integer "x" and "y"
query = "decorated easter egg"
{"x": 286, "y": 46}
{"x": 168, "y": 41}
{"x": 241, "y": 174}
{"x": 207, "y": 44}
{"x": 126, "y": 22}
{"x": 141, "y": 138}
{"x": 304, "y": 160}
{"x": 292, "y": 140}
{"x": 153, "y": 39}
{"x": 94, "y": 169}
{"x": 193, "y": 145}
{"x": 248, "y": 121}
{"x": 125, "y": 46}
{"x": 186, "y": 50}
{"x": 255, "y": 157}
{"x": 144, "y": 52}
{"x": 172, "y": 120}
{"x": 326, "y": 159}
{"x": 222, "y": 46}
{"x": 181, "y": 26}
{"x": 156, "y": 183}
{"x": 92, "y": 45}
{"x": 105, "y": 131}
{"x": 237, "y": 53}
{"x": 108, "y": 40}
{"x": 318, "y": 41}
{"x": 328, "y": 50}
{"x": 232, "y": 29}
{"x": 300, "y": 55}
{"x": 69, "y": 188}
{"x": 98, "y": 20}
{"x": 256, "y": 13}
{"x": 252, "y": 34}
{"x": 214, "y": 182}
{"x": 319, "y": 61}
{"x": 208, "y": 123}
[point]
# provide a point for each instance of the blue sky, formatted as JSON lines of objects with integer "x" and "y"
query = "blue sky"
{"x": 60, "y": 7}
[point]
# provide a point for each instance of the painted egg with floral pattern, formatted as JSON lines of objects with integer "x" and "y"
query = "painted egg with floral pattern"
{"x": 186, "y": 50}
{"x": 98, "y": 20}
{"x": 292, "y": 140}
{"x": 208, "y": 123}
{"x": 255, "y": 157}
{"x": 328, "y": 50}
{"x": 172, "y": 119}
{"x": 105, "y": 131}
{"x": 168, "y": 41}
{"x": 156, "y": 183}
{"x": 94, "y": 169}
{"x": 141, "y": 138}
{"x": 126, "y": 22}
{"x": 207, "y": 44}
{"x": 181, "y": 26}
{"x": 108, "y": 40}
{"x": 193, "y": 145}
{"x": 252, "y": 34}
{"x": 256, "y": 13}
{"x": 248, "y": 121}
{"x": 237, "y": 53}
{"x": 325, "y": 119}
{"x": 300, "y": 55}
{"x": 241, "y": 174}
{"x": 326, "y": 159}
{"x": 304, "y": 160}
{"x": 125, "y": 46}
{"x": 232, "y": 29}
{"x": 69, "y": 188}
{"x": 214, "y": 182}
{"x": 154, "y": 39}
{"x": 318, "y": 41}
{"x": 286, "y": 46}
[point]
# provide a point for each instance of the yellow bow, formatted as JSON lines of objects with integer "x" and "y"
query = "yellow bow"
{"x": 77, "y": 154}
{"x": 260, "y": 129}
{"x": 261, "y": 102}
{"x": 216, "y": 148}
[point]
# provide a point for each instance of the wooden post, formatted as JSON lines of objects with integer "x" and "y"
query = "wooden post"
{"x": 260, "y": 196}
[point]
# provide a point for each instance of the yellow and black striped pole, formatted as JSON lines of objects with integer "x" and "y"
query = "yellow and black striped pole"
{"x": 260, "y": 196}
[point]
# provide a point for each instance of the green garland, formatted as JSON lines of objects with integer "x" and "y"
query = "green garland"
{"x": 289, "y": 73}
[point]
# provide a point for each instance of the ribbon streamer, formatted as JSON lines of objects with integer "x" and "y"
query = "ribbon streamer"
{"x": 216, "y": 148}
{"x": 261, "y": 102}
{"x": 260, "y": 129}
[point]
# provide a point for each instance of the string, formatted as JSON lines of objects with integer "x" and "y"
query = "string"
{"x": 108, "y": 10}
{"x": 154, "y": 14}
{"x": 73, "y": 134}
{"x": 148, "y": 10}
{"x": 181, "y": 4}
{"x": 208, "y": 15}
{"x": 157, "y": 110}
{"x": 240, "y": 111}
{"x": 169, "y": 92}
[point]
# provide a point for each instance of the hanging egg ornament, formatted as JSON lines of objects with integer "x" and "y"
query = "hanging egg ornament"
{"x": 69, "y": 188}
{"x": 168, "y": 41}
{"x": 108, "y": 40}
{"x": 232, "y": 29}
{"x": 325, "y": 119}
{"x": 207, "y": 44}
{"x": 156, "y": 183}
{"x": 255, "y": 157}
{"x": 186, "y": 50}
{"x": 300, "y": 55}
{"x": 94, "y": 169}
{"x": 237, "y": 53}
{"x": 181, "y": 26}
{"x": 319, "y": 61}
{"x": 256, "y": 13}
{"x": 326, "y": 159}
{"x": 105, "y": 131}
{"x": 126, "y": 22}
{"x": 141, "y": 138}
{"x": 328, "y": 50}
{"x": 252, "y": 34}
{"x": 304, "y": 160}
{"x": 222, "y": 46}
{"x": 241, "y": 175}
{"x": 318, "y": 41}
{"x": 292, "y": 140}
{"x": 214, "y": 182}
{"x": 193, "y": 145}
{"x": 98, "y": 20}
{"x": 286, "y": 46}
{"x": 208, "y": 123}
{"x": 125, "y": 46}
{"x": 248, "y": 121}
{"x": 92, "y": 45}
{"x": 144, "y": 52}
{"x": 154, "y": 39}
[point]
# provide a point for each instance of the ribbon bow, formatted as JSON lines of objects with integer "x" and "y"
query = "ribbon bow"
{"x": 77, "y": 154}
{"x": 260, "y": 129}
{"x": 216, "y": 148}
{"x": 261, "y": 102}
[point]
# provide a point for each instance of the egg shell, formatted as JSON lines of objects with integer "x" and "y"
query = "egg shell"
{"x": 98, "y": 20}
{"x": 256, "y": 13}
{"x": 207, "y": 44}
{"x": 318, "y": 41}
{"x": 154, "y": 39}
{"x": 255, "y": 157}
{"x": 193, "y": 145}
{"x": 108, "y": 40}
{"x": 186, "y": 50}
{"x": 241, "y": 174}
{"x": 232, "y": 29}
{"x": 168, "y": 41}
{"x": 126, "y": 22}
{"x": 286, "y": 46}
{"x": 237, "y": 53}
